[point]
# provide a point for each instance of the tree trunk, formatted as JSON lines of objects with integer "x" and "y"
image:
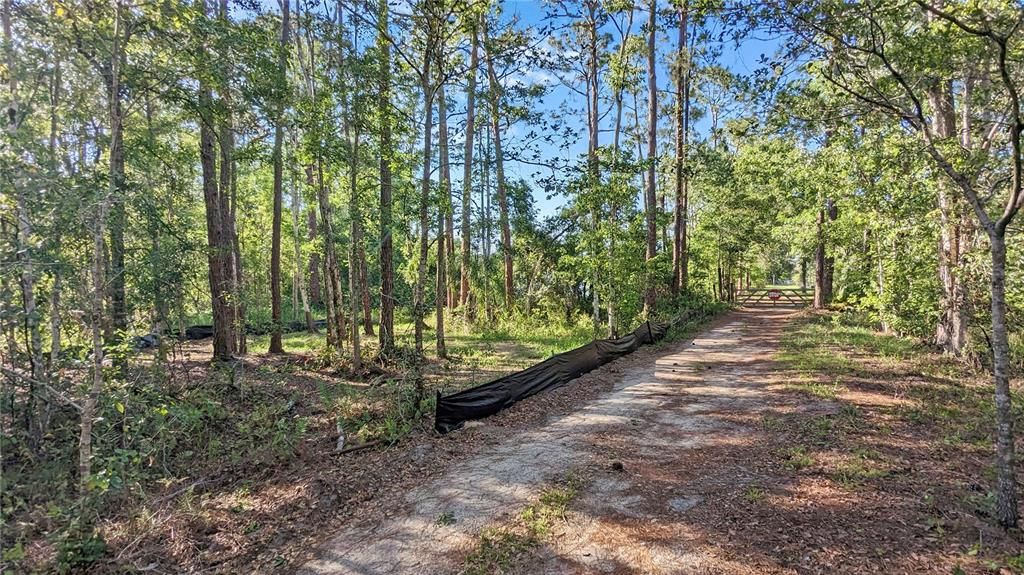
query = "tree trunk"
{"x": 820, "y": 300}
{"x": 275, "y": 242}
{"x": 353, "y": 251}
{"x": 682, "y": 72}
{"x": 443, "y": 212}
{"x": 332, "y": 274}
{"x": 387, "y": 265}
{"x": 56, "y": 86}
{"x": 467, "y": 171}
{"x": 316, "y": 297}
{"x": 593, "y": 166}
{"x": 495, "y": 95}
{"x": 364, "y": 283}
{"x": 951, "y": 330}
{"x": 118, "y": 214}
{"x": 831, "y": 212}
{"x": 1006, "y": 485}
{"x": 485, "y": 232}
{"x": 219, "y": 250}
{"x": 419, "y": 291}
{"x": 228, "y": 191}
{"x": 652, "y": 152}
{"x": 300, "y": 281}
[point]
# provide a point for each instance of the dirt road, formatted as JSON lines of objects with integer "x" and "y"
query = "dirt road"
{"x": 667, "y": 440}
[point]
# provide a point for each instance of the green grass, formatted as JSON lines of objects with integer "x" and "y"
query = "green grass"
{"x": 854, "y": 473}
{"x": 753, "y": 494}
{"x": 500, "y": 548}
{"x": 815, "y": 346}
{"x": 797, "y": 458}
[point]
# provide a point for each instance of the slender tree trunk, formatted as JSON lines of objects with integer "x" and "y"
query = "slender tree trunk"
{"x": 364, "y": 283}
{"x": 443, "y": 212}
{"x": 831, "y": 212}
{"x": 820, "y": 300}
{"x": 316, "y": 297}
{"x": 275, "y": 242}
{"x": 1006, "y": 484}
{"x": 118, "y": 213}
{"x": 593, "y": 166}
{"x": 332, "y": 274}
{"x": 300, "y": 281}
{"x": 353, "y": 252}
{"x": 419, "y": 291}
{"x": 682, "y": 73}
{"x": 95, "y": 389}
{"x": 55, "y": 338}
{"x": 228, "y": 192}
{"x": 55, "y": 293}
{"x": 652, "y": 152}
{"x": 451, "y": 297}
{"x": 613, "y": 329}
{"x": 387, "y": 285}
{"x": 467, "y": 172}
{"x": 495, "y": 96}
{"x": 951, "y": 330}
{"x": 219, "y": 251}
{"x": 485, "y": 204}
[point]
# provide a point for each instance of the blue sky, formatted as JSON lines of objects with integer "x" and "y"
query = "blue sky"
{"x": 742, "y": 59}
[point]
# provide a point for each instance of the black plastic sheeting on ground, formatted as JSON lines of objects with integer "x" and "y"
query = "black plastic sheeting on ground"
{"x": 205, "y": 331}
{"x": 491, "y": 397}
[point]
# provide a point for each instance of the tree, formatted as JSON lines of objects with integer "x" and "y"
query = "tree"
{"x": 650, "y": 195}
{"x": 218, "y": 227}
{"x": 494, "y": 97}
{"x": 467, "y": 172}
{"x": 443, "y": 211}
{"x": 387, "y": 265}
{"x": 275, "y": 250}
{"x": 682, "y": 111}
{"x": 884, "y": 69}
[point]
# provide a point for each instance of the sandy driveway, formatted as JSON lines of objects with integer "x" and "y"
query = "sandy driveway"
{"x": 623, "y": 521}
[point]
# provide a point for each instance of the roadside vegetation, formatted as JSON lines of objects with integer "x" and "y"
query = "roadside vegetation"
{"x": 903, "y": 426}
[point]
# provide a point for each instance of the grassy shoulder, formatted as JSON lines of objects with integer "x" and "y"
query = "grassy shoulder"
{"x": 901, "y": 426}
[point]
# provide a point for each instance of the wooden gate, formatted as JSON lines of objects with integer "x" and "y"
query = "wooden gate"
{"x": 775, "y": 296}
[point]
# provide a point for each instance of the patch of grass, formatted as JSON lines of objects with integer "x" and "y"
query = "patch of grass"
{"x": 797, "y": 458}
{"x": 500, "y": 548}
{"x": 497, "y": 550}
{"x": 818, "y": 430}
{"x": 818, "y": 389}
{"x": 753, "y": 494}
{"x": 1016, "y": 563}
{"x": 851, "y": 474}
{"x": 446, "y": 518}
{"x": 814, "y": 347}
{"x": 773, "y": 423}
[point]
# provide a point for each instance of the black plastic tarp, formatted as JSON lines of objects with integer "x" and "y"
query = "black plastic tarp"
{"x": 491, "y": 397}
{"x": 205, "y": 331}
